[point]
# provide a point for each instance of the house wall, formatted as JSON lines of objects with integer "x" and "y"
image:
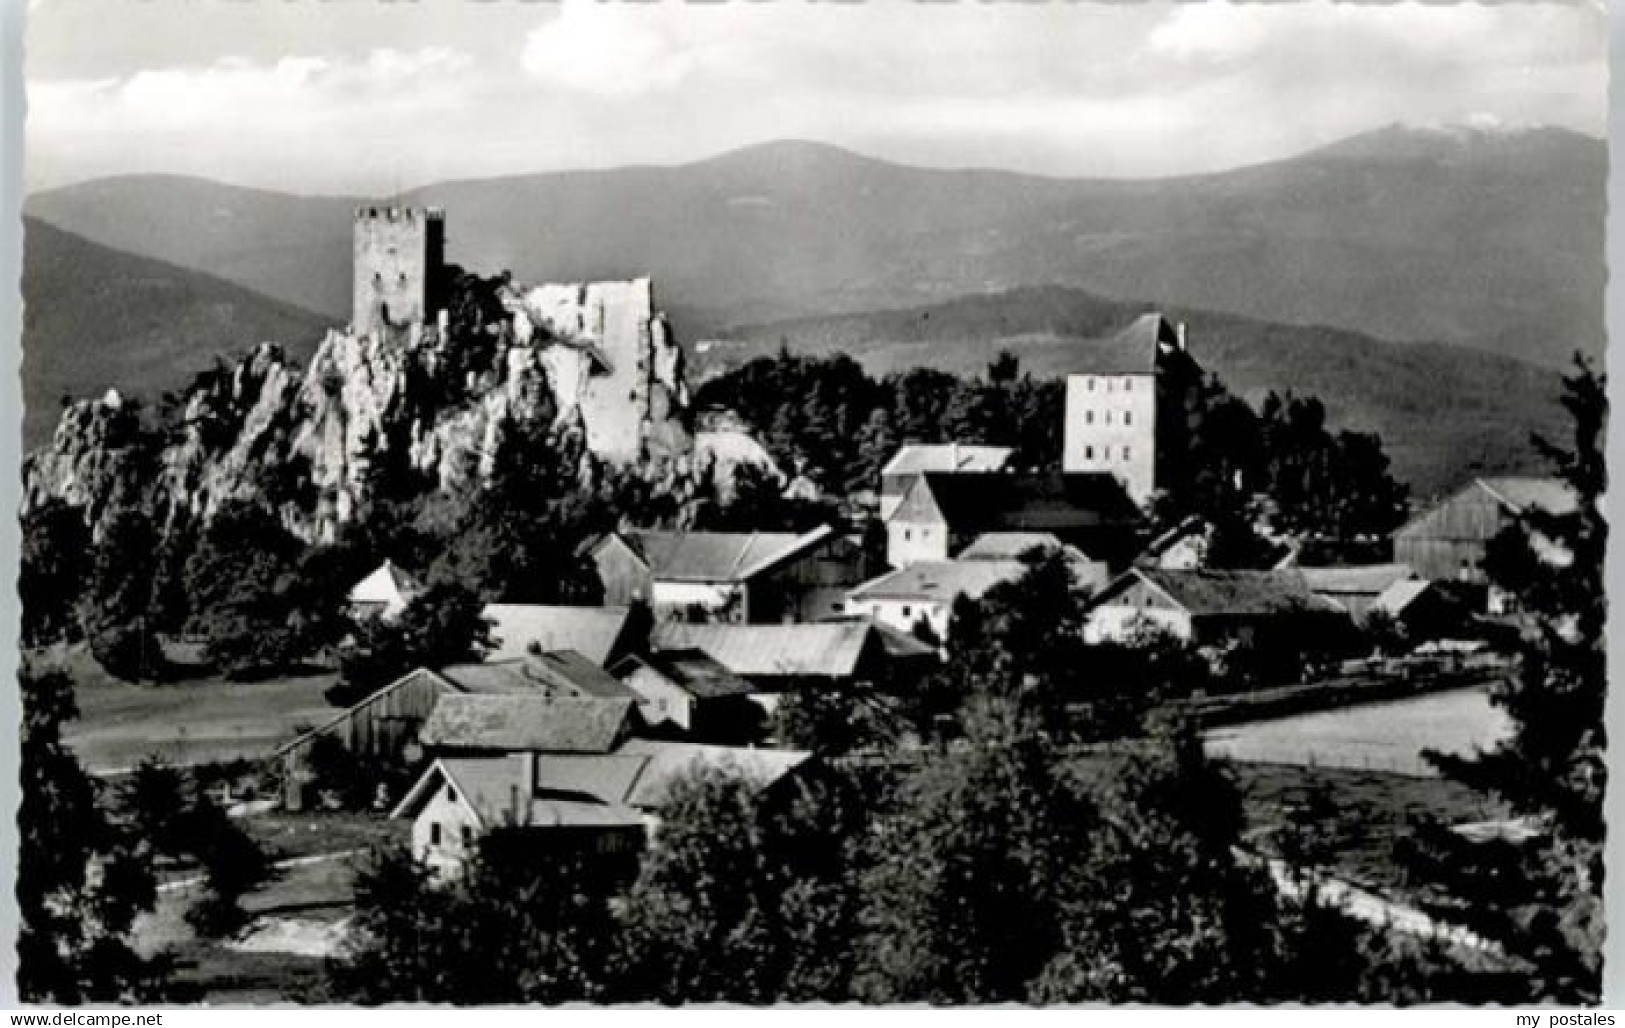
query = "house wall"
{"x": 661, "y": 701}
{"x": 622, "y": 573}
{"x": 911, "y": 542}
{"x": 721, "y": 601}
{"x": 903, "y": 615}
{"x": 1121, "y": 622}
{"x": 454, "y": 819}
{"x": 811, "y": 587}
{"x": 1448, "y": 541}
{"x": 1111, "y": 426}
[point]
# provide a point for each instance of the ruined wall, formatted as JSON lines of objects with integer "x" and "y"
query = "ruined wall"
{"x": 398, "y": 254}
{"x": 612, "y": 359}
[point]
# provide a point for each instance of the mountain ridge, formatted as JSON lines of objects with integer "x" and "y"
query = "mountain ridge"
{"x": 1493, "y": 240}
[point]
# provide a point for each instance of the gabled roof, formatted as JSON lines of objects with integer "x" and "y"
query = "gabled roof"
{"x": 1131, "y": 351}
{"x": 720, "y": 556}
{"x": 594, "y": 632}
{"x": 1357, "y": 580}
{"x": 582, "y": 790}
{"x": 915, "y": 458}
{"x": 1191, "y": 526}
{"x": 1522, "y": 495}
{"x": 832, "y": 649}
{"x": 940, "y": 581}
{"x": 496, "y": 790}
{"x": 573, "y": 673}
{"x": 1015, "y": 545}
{"x": 1028, "y": 503}
{"x": 1206, "y": 592}
{"x": 1395, "y": 598}
{"x": 693, "y": 671}
{"x": 669, "y": 761}
{"x": 532, "y": 723}
{"x": 388, "y": 583}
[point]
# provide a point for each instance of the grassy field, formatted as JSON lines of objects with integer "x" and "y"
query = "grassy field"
{"x": 1387, "y": 736}
{"x": 193, "y": 720}
{"x": 302, "y": 904}
{"x": 1367, "y": 813}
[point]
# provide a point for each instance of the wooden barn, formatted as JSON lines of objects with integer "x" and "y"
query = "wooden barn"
{"x": 385, "y": 725}
{"x": 1448, "y": 540}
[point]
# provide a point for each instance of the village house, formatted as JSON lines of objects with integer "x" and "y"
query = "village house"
{"x": 914, "y": 459}
{"x": 688, "y": 694}
{"x": 601, "y": 634}
{"x": 924, "y": 593}
{"x": 1209, "y": 607}
{"x": 385, "y": 726}
{"x": 384, "y": 593}
{"x": 1181, "y": 547}
{"x": 541, "y": 778}
{"x": 1448, "y": 540}
{"x": 737, "y": 577}
{"x": 1420, "y": 609}
{"x": 817, "y": 655}
{"x": 941, "y": 514}
{"x": 1125, "y": 414}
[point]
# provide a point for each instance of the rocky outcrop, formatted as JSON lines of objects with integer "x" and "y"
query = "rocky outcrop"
{"x": 597, "y": 357}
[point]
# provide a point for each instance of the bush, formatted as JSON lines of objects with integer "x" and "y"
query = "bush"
{"x": 130, "y": 652}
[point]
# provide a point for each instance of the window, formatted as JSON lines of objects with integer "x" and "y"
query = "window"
{"x": 1089, "y": 383}
{"x": 1125, "y": 453}
{"x": 1128, "y": 385}
{"x": 1088, "y": 453}
{"x": 451, "y": 794}
{"x": 1109, "y": 385}
{"x": 906, "y": 610}
{"x": 1108, "y": 417}
{"x": 908, "y": 534}
{"x": 1088, "y": 417}
{"x": 467, "y": 836}
{"x": 434, "y": 834}
{"x": 1128, "y": 417}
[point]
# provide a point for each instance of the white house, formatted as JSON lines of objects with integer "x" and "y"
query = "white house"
{"x": 385, "y": 592}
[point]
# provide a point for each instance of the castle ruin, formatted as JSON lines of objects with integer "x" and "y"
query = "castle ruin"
{"x": 400, "y": 253}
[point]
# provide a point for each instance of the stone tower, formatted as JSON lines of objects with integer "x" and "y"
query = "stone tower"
{"x": 399, "y": 254}
{"x": 1126, "y": 413}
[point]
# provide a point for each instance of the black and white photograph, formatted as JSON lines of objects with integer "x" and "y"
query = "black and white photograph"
{"x": 885, "y": 503}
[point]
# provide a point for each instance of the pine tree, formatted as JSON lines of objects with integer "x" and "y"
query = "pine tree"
{"x": 1541, "y": 899}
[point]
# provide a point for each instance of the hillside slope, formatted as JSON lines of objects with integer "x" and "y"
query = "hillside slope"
{"x": 1490, "y": 240}
{"x": 1445, "y": 412}
{"x": 95, "y": 318}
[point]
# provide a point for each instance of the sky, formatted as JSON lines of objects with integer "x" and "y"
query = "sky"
{"x": 375, "y": 96}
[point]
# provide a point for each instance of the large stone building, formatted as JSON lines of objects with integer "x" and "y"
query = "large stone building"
{"x": 1126, "y": 414}
{"x": 400, "y": 253}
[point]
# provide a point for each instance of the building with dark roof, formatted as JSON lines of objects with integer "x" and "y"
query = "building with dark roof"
{"x": 1125, "y": 413}
{"x": 739, "y": 577}
{"x": 601, "y": 634}
{"x": 463, "y": 724}
{"x": 780, "y": 658}
{"x": 925, "y": 592}
{"x": 688, "y": 693}
{"x": 943, "y": 515}
{"x": 1209, "y": 607}
{"x": 540, "y": 804}
{"x": 914, "y": 459}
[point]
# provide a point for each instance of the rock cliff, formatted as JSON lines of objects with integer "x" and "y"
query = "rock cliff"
{"x": 432, "y": 401}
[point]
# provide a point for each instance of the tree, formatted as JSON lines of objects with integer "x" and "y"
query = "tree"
{"x": 80, "y": 879}
{"x": 116, "y": 605}
{"x": 54, "y": 569}
{"x": 499, "y": 932}
{"x": 254, "y": 609}
{"x": 233, "y": 865}
{"x": 745, "y": 898}
{"x": 1542, "y": 898}
{"x": 445, "y": 624}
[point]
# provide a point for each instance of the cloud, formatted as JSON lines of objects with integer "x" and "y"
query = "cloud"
{"x": 608, "y": 50}
{"x": 1060, "y": 88}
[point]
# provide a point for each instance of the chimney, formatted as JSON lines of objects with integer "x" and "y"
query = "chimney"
{"x": 953, "y": 455}
{"x": 1179, "y": 330}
